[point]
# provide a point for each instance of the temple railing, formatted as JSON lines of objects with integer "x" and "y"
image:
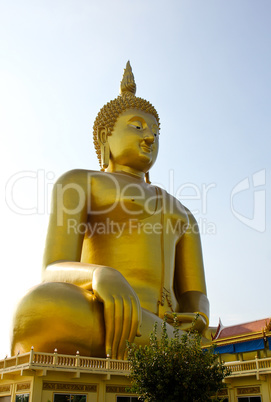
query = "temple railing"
{"x": 54, "y": 361}
{"x": 250, "y": 367}
{"x": 37, "y": 360}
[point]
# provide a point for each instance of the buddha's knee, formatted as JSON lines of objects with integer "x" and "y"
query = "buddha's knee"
{"x": 59, "y": 315}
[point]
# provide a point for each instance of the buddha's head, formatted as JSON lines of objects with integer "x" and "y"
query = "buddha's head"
{"x": 116, "y": 121}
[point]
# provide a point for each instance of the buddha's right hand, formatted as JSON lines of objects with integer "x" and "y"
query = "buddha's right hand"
{"x": 122, "y": 311}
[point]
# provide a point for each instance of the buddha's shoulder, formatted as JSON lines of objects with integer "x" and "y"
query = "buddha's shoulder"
{"x": 78, "y": 176}
{"x": 175, "y": 209}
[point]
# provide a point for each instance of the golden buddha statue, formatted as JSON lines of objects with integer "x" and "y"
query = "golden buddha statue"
{"x": 121, "y": 254}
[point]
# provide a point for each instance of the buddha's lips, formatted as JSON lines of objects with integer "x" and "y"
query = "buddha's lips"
{"x": 146, "y": 148}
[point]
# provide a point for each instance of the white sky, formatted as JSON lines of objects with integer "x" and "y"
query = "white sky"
{"x": 204, "y": 64}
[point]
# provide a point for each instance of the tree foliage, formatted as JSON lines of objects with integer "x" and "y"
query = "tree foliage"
{"x": 176, "y": 369}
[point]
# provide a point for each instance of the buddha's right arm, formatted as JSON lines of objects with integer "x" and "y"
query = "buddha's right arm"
{"x": 69, "y": 210}
{"x": 61, "y": 263}
{"x": 122, "y": 311}
{"x": 73, "y": 272}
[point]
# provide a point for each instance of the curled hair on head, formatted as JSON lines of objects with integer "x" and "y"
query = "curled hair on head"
{"x": 110, "y": 112}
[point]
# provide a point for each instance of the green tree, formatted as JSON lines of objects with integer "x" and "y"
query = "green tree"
{"x": 176, "y": 369}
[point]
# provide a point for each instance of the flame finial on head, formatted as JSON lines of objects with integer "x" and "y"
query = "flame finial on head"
{"x": 110, "y": 112}
{"x": 128, "y": 80}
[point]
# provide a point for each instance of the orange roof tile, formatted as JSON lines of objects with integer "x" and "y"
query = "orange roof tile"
{"x": 241, "y": 329}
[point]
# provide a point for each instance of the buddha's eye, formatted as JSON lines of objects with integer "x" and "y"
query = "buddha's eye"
{"x": 137, "y": 125}
{"x": 155, "y": 130}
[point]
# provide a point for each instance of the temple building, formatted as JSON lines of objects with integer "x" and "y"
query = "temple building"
{"x": 53, "y": 377}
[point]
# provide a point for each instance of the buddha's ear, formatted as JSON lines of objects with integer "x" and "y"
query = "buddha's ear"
{"x": 102, "y": 134}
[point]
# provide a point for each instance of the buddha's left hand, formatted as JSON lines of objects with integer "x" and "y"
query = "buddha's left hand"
{"x": 188, "y": 321}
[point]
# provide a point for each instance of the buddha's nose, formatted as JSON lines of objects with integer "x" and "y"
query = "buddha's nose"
{"x": 149, "y": 138}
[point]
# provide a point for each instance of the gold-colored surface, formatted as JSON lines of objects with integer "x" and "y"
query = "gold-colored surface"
{"x": 120, "y": 253}
{"x": 109, "y": 113}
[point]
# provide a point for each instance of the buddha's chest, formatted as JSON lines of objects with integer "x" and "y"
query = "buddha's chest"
{"x": 121, "y": 199}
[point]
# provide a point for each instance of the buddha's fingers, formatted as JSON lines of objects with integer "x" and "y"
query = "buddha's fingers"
{"x": 180, "y": 317}
{"x": 118, "y": 319}
{"x": 136, "y": 319}
{"x": 122, "y": 311}
{"x": 135, "y": 323}
{"x": 187, "y": 321}
{"x": 126, "y": 326}
{"x": 109, "y": 313}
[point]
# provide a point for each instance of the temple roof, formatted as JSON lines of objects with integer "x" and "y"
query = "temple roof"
{"x": 240, "y": 330}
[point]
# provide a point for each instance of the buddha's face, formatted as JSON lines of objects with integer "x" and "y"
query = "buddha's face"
{"x": 134, "y": 141}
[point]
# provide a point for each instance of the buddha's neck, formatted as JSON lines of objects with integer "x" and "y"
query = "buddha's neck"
{"x": 115, "y": 168}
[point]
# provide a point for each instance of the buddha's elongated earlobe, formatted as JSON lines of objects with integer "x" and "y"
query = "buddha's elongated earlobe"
{"x": 147, "y": 178}
{"x": 105, "y": 156}
{"x": 105, "y": 152}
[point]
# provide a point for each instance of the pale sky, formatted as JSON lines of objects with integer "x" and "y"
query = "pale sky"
{"x": 204, "y": 64}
